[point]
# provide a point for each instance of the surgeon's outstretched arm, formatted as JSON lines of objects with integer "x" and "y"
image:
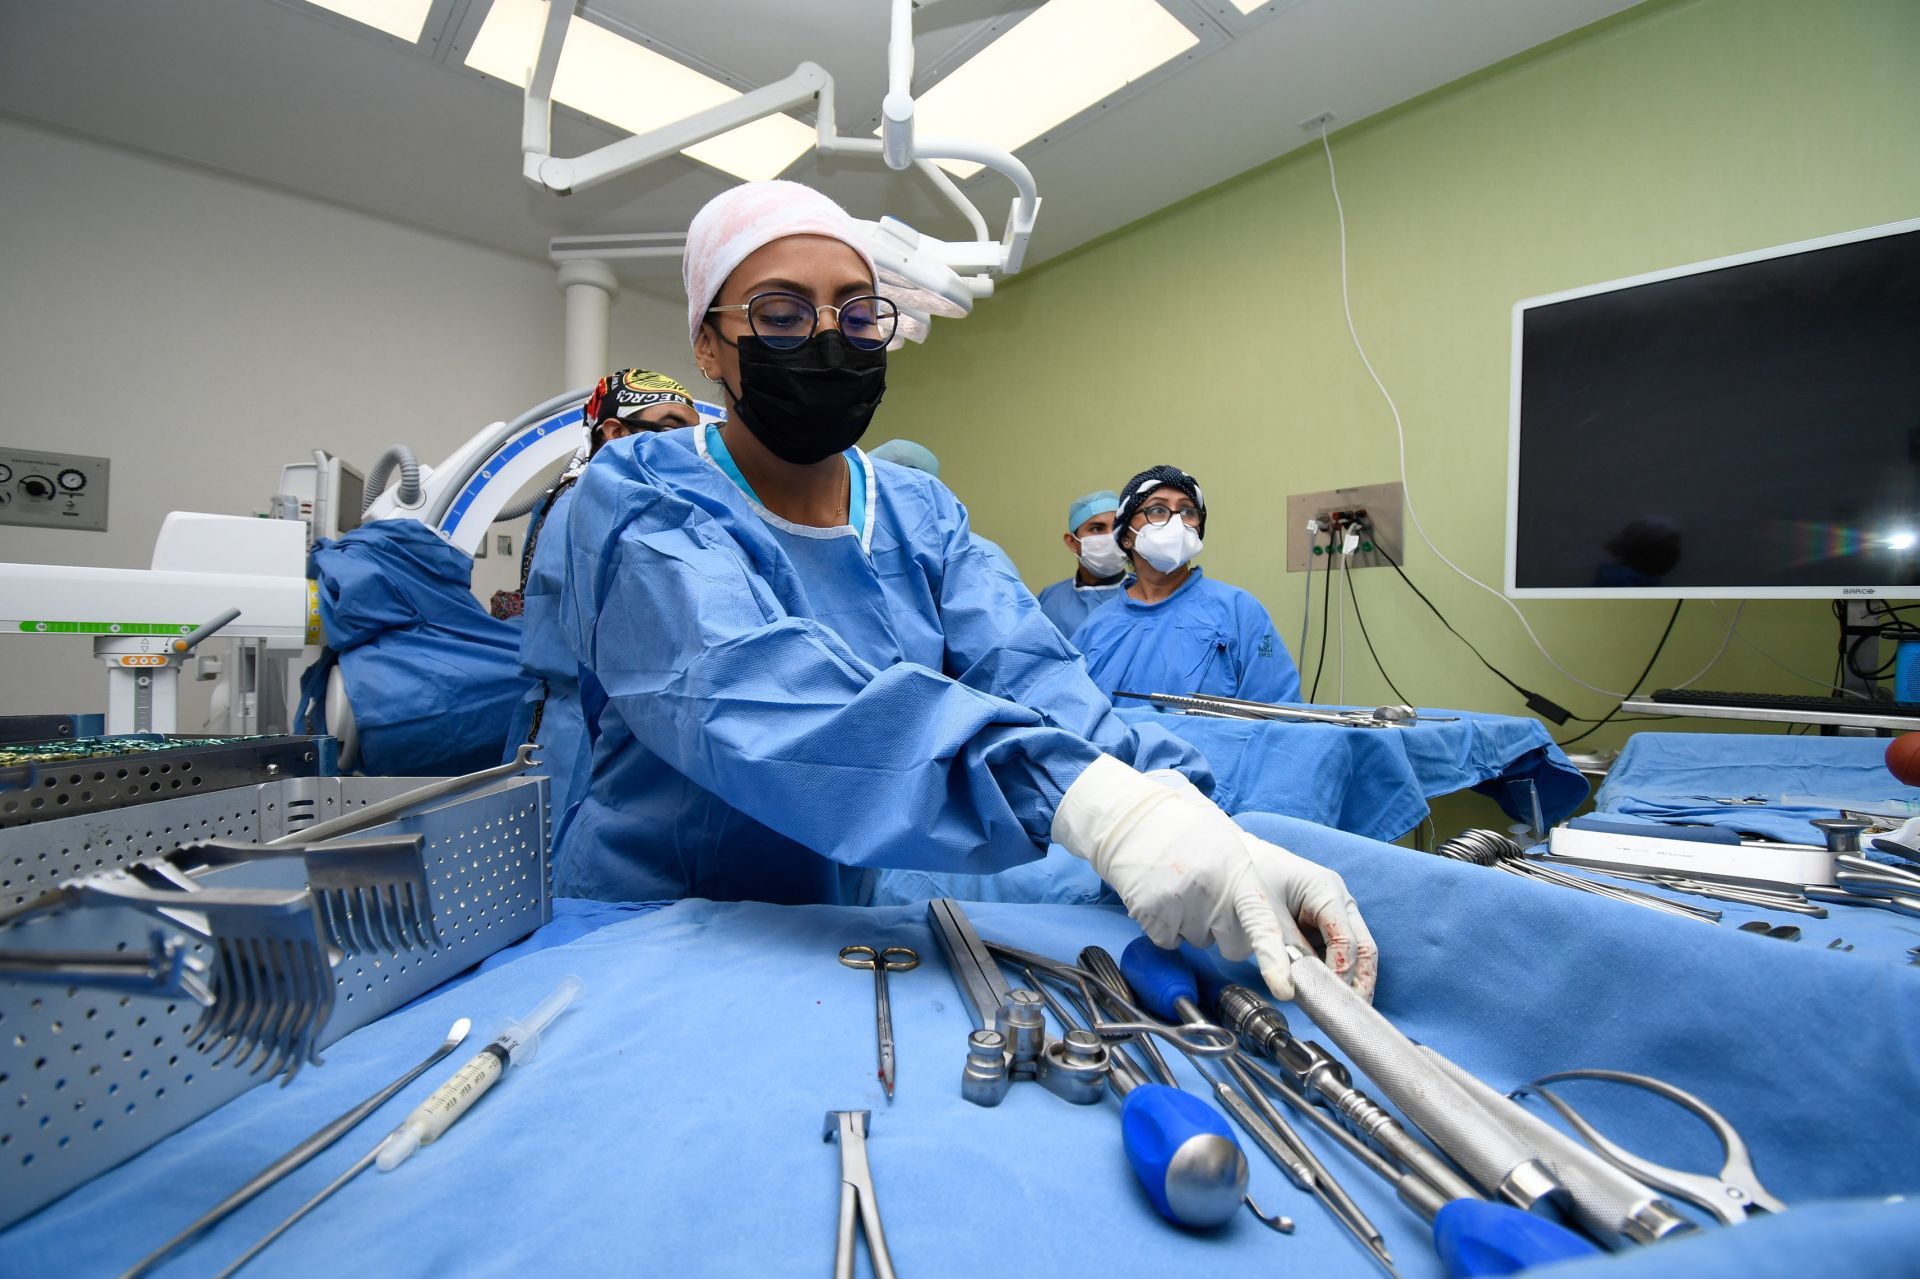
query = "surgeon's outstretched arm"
{"x": 779, "y": 718}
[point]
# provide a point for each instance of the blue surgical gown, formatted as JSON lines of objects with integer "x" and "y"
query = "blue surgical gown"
{"x": 432, "y": 677}
{"x": 1207, "y": 637}
{"x": 1067, "y": 603}
{"x": 790, "y": 708}
{"x": 993, "y": 548}
{"x": 563, "y": 735}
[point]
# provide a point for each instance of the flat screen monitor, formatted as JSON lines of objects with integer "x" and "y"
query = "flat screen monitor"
{"x": 1742, "y": 428}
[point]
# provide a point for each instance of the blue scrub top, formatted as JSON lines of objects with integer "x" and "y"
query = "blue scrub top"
{"x": 1067, "y": 604}
{"x": 789, "y": 708}
{"x": 1207, "y": 637}
{"x": 565, "y": 732}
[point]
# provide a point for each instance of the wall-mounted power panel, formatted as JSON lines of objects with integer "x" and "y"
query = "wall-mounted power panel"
{"x": 53, "y": 490}
{"x": 1379, "y": 506}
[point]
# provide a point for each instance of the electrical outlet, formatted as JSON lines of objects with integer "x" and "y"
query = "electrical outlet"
{"x": 1377, "y": 509}
{"x": 504, "y": 542}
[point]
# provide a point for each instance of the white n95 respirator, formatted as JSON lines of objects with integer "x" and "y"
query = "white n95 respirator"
{"x": 1167, "y": 546}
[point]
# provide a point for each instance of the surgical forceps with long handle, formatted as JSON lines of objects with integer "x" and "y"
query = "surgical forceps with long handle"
{"x": 889, "y": 959}
{"x": 857, "y": 1203}
{"x": 1731, "y": 1197}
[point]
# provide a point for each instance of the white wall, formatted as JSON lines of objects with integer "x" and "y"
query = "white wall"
{"x": 200, "y": 331}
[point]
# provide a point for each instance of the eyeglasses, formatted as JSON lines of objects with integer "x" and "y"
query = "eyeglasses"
{"x": 785, "y": 321}
{"x": 1158, "y": 515}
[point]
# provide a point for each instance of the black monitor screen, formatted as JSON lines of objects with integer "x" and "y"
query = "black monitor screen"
{"x": 1751, "y": 426}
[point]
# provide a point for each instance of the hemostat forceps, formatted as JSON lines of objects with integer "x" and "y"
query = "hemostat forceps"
{"x": 892, "y": 959}
{"x": 1731, "y": 1197}
{"x": 856, "y": 1196}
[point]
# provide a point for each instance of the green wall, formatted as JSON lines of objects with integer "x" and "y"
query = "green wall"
{"x": 1210, "y": 335}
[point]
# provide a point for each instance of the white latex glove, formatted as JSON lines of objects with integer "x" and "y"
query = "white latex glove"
{"x": 1304, "y": 894}
{"x": 1182, "y": 868}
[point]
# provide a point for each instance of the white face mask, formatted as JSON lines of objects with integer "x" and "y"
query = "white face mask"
{"x": 1101, "y": 556}
{"x": 1167, "y": 546}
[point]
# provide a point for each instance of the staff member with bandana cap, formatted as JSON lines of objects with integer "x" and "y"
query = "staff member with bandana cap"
{"x": 1103, "y": 565}
{"x": 555, "y": 713}
{"x": 1175, "y": 630}
{"x": 812, "y": 671}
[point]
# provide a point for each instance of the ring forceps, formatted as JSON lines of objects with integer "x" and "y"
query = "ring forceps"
{"x": 856, "y": 1196}
{"x": 892, "y": 959}
{"x": 1731, "y": 1197}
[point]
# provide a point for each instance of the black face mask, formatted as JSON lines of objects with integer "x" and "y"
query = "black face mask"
{"x": 813, "y": 401}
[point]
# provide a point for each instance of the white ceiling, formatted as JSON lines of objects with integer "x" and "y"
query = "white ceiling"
{"x": 278, "y": 91}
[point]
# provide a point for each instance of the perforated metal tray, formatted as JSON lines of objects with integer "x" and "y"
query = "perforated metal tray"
{"x": 102, "y": 778}
{"x": 90, "y": 1078}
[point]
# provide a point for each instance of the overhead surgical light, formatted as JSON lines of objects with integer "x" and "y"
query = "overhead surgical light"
{"x": 611, "y": 78}
{"x": 1055, "y": 63}
{"x": 928, "y": 276}
{"x": 1903, "y": 540}
{"x": 402, "y": 19}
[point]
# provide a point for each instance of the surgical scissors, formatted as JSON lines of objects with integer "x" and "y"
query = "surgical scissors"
{"x": 857, "y": 1202}
{"x": 1731, "y": 1197}
{"x": 882, "y": 962}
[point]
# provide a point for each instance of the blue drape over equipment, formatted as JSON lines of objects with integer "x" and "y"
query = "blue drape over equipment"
{"x": 433, "y": 679}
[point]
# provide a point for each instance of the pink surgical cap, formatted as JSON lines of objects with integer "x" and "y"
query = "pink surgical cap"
{"x": 744, "y": 218}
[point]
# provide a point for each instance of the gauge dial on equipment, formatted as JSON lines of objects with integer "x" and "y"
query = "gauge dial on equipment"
{"x": 72, "y": 481}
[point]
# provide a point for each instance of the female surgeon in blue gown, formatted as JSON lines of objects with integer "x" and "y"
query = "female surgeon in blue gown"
{"x": 812, "y": 671}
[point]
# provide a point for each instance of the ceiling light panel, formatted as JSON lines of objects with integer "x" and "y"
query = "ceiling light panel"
{"x": 402, "y": 19}
{"x": 1060, "y": 60}
{"x": 611, "y": 78}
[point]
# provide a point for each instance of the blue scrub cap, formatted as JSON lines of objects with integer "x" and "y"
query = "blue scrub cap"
{"x": 1085, "y": 508}
{"x": 907, "y": 453}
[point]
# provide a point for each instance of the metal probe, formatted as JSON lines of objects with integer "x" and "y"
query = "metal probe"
{"x": 299, "y": 1155}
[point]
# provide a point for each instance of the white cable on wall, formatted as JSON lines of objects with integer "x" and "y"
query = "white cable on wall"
{"x": 1340, "y": 602}
{"x": 1722, "y": 650}
{"x": 1400, "y": 433}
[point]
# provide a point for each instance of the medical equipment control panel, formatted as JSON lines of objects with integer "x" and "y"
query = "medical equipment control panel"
{"x": 53, "y": 490}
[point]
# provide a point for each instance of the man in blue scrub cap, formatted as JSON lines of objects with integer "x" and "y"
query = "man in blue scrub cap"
{"x": 1175, "y": 630}
{"x": 554, "y": 714}
{"x": 812, "y": 671}
{"x": 1103, "y": 565}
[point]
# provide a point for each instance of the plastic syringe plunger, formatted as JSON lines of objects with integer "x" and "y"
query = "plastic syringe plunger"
{"x": 516, "y": 1044}
{"x": 521, "y": 1039}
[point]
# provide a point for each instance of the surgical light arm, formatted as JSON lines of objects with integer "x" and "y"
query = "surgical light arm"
{"x": 934, "y": 264}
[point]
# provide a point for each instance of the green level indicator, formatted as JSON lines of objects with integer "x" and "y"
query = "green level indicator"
{"x": 104, "y": 628}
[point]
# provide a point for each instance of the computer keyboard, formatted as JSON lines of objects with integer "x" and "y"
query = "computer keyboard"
{"x": 1784, "y": 702}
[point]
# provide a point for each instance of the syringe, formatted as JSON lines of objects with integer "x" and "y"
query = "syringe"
{"x": 516, "y": 1044}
